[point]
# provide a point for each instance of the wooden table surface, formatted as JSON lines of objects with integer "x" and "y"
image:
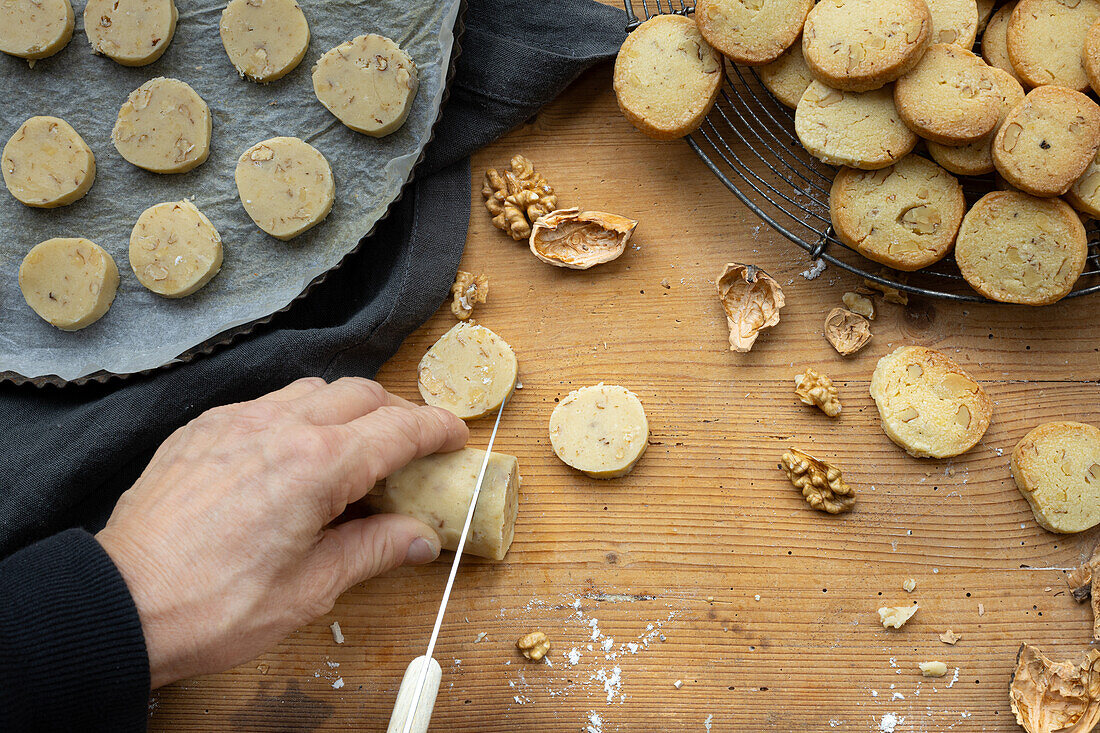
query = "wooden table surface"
{"x": 704, "y": 565}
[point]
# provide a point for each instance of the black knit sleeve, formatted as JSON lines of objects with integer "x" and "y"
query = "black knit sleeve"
{"x": 72, "y": 652}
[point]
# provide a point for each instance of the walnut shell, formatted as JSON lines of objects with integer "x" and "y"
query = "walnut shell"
{"x": 848, "y": 332}
{"x": 580, "y": 239}
{"x": 1050, "y": 696}
{"x": 751, "y": 299}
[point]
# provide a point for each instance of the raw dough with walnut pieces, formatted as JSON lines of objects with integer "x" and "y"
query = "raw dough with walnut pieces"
{"x": 286, "y": 186}
{"x": 600, "y": 430}
{"x": 751, "y": 299}
{"x": 265, "y": 39}
{"x": 580, "y": 239}
{"x": 163, "y": 127}
{"x": 822, "y": 485}
{"x": 846, "y": 331}
{"x": 47, "y": 164}
{"x": 174, "y": 249}
{"x": 69, "y": 282}
{"x": 468, "y": 290}
{"x": 928, "y": 404}
{"x": 469, "y": 371}
{"x": 35, "y": 29}
{"x": 517, "y": 197}
{"x": 1049, "y": 696}
{"x": 1057, "y": 469}
{"x": 817, "y": 389}
{"x": 130, "y": 32}
{"x": 369, "y": 83}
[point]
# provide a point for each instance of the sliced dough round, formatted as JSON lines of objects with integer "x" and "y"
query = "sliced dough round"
{"x": 788, "y": 76}
{"x": 976, "y": 158}
{"x": 667, "y": 77}
{"x": 856, "y": 129}
{"x": 1084, "y": 195}
{"x": 751, "y": 33}
{"x": 905, "y": 216}
{"x": 286, "y": 186}
{"x": 47, "y": 164}
{"x": 600, "y": 430}
{"x": 995, "y": 40}
{"x": 928, "y": 404}
{"x": 35, "y": 29}
{"x": 1017, "y": 248}
{"x": 265, "y": 39}
{"x": 163, "y": 127}
{"x": 469, "y": 371}
{"x": 1046, "y": 41}
{"x": 954, "y": 21}
{"x": 1057, "y": 469}
{"x": 131, "y": 32}
{"x": 950, "y": 97}
{"x": 174, "y": 249}
{"x": 369, "y": 83}
{"x": 70, "y": 283}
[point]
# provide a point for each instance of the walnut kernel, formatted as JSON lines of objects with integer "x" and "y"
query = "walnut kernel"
{"x": 534, "y": 645}
{"x": 817, "y": 389}
{"x": 896, "y": 616}
{"x": 848, "y": 332}
{"x": 580, "y": 239}
{"x": 468, "y": 290}
{"x": 950, "y": 637}
{"x": 860, "y": 304}
{"x": 751, "y": 299}
{"x": 518, "y": 197}
{"x": 822, "y": 485}
{"x": 909, "y": 585}
{"x": 932, "y": 669}
{"x": 889, "y": 294}
{"x": 1048, "y": 696}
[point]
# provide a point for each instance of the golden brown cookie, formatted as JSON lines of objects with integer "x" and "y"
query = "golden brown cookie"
{"x": 995, "y": 40}
{"x": 954, "y": 21}
{"x": 788, "y": 76}
{"x": 949, "y": 97}
{"x": 928, "y": 404}
{"x": 856, "y": 129}
{"x": 985, "y": 12}
{"x": 1046, "y": 41}
{"x": 1092, "y": 56}
{"x": 859, "y": 45}
{"x": 667, "y": 77}
{"x": 1048, "y": 140}
{"x": 751, "y": 32}
{"x": 976, "y": 158}
{"x": 905, "y": 216}
{"x": 1017, "y": 248}
{"x": 1057, "y": 469}
{"x": 1084, "y": 194}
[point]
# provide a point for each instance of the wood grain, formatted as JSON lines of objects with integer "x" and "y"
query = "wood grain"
{"x": 706, "y": 523}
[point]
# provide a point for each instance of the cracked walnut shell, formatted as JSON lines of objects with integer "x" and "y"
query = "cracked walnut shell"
{"x": 822, "y": 485}
{"x": 751, "y": 299}
{"x": 848, "y": 332}
{"x": 468, "y": 290}
{"x": 534, "y": 645}
{"x": 580, "y": 239}
{"x": 518, "y": 197}
{"x": 817, "y": 389}
{"x": 1049, "y": 696}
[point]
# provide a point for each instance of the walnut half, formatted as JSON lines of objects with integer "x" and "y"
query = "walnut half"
{"x": 848, "y": 332}
{"x": 817, "y": 389}
{"x": 518, "y": 197}
{"x": 580, "y": 239}
{"x": 751, "y": 299}
{"x": 468, "y": 290}
{"x": 822, "y": 485}
{"x": 534, "y": 645}
{"x": 1050, "y": 696}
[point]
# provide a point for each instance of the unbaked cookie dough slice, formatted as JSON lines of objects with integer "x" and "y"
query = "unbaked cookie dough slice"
{"x": 950, "y": 97}
{"x": 788, "y": 76}
{"x": 47, "y": 164}
{"x": 1057, "y": 469}
{"x": 131, "y": 32}
{"x": 1084, "y": 195}
{"x": 265, "y": 39}
{"x": 1048, "y": 140}
{"x": 369, "y": 83}
{"x": 69, "y": 282}
{"x": 286, "y": 186}
{"x": 995, "y": 40}
{"x": 35, "y": 29}
{"x": 600, "y": 430}
{"x": 1092, "y": 56}
{"x": 976, "y": 158}
{"x": 928, "y": 404}
{"x": 954, "y": 21}
{"x": 667, "y": 77}
{"x": 1017, "y": 248}
{"x": 1046, "y": 41}
{"x": 469, "y": 371}
{"x": 174, "y": 249}
{"x": 856, "y": 129}
{"x": 163, "y": 127}
{"x": 859, "y": 45}
{"x": 905, "y": 216}
{"x": 751, "y": 32}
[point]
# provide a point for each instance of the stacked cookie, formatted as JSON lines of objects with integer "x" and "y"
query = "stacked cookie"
{"x": 891, "y": 91}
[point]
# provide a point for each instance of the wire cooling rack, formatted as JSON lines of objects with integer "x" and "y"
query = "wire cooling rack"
{"x": 748, "y": 141}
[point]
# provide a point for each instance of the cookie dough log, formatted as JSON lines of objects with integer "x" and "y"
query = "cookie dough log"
{"x": 469, "y": 371}
{"x": 856, "y": 129}
{"x": 1057, "y": 469}
{"x": 437, "y": 490}
{"x": 35, "y": 29}
{"x": 600, "y": 430}
{"x": 174, "y": 249}
{"x": 131, "y": 32}
{"x": 163, "y": 127}
{"x": 70, "y": 283}
{"x": 47, "y": 164}
{"x": 928, "y": 404}
{"x": 666, "y": 77}
{"x": 265, "y": 39}
{"x": 751, "y": 33}
{"x": 286, "y": 186}
{"x": 369, "y": 83}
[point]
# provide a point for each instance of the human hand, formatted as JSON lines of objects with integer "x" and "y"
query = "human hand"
{"x": 224, "y": 540}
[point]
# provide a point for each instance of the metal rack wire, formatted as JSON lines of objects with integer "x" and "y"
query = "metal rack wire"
{"x": 748, "y": 141}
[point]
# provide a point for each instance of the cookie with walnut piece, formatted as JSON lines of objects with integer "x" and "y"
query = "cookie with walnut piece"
{"x": 1084, "y": 195}
{"x": 1046, "y": 41}
{"x": 954, "y": 21}
{"x": 976, "y": 158}
{"x": 788, "y": 76}
{"x": 1057, "y": 468}
{"x": 1092, "y": 56}
{"x": 857, "y": 129}
{"x": 751, "y": 32}
{"x": 35, "y": 29}
{"x": 950, "y": 97}
{"x": 995, "y": 41}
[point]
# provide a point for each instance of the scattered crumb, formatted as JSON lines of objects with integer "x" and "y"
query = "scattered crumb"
{"x": 954, "y": 678}
{"x": 909, "y": 585}
{"x": 950, "y": 637}
{"x": 338, "y": 683}
{"x": 573, "y": 656}
{"x": 756, "y": 598}
{"x": 337, "y": 635}
{"x": 678, "y": 684}
{"x": 981, "y": 609}
{"x": 665, "y": 283}
{"x": 263, "y": 668}
{"x": 889, "y": 723}
{"x": 708, "y": 721}
{"x": 595, "y": 723}
{"x": 480, "y": 637}
{"x": 816, "y": 269}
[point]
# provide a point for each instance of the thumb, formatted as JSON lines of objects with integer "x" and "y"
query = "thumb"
{"x": 363, "y": 548}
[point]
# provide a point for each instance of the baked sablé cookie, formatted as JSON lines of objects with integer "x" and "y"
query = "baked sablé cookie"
{"x": 976, "y": 158}
{"x": 859, "y": 45}
{"x": 985, "y": 12}
{"x": 1047, "y": 141}
{"x": 950, "y": 97}
{"x": 1046, "y": 41}
{"x": 1084, "y": 194}
{"x": 954, "y": 21}
{"x": 928, "y": 404}
{"x": 788, "y": 76}
{"x": 856, "y": 129}
{"x": 1057, "y": 469}
{"x": 995, "y": 40}
{"x": 905, "y": 216}
{"x": 751, "y": 32}
{"x": 1017, "y": 248}
{"x": 1092, "y": 56}
{"x": 667, "y": 77}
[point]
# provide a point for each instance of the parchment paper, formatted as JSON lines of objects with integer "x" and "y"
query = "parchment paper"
{"x": 260, "y": 274}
